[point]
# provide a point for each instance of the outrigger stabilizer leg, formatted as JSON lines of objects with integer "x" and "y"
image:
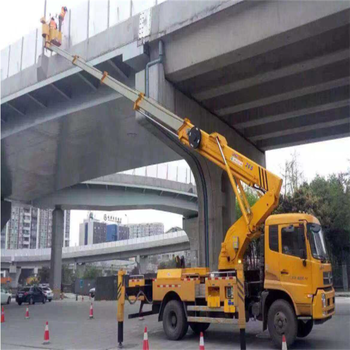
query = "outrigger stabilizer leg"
{"x": 120, "y": 306}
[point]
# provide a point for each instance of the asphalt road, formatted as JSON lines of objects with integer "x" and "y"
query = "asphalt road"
{"x": 71, "y": 328}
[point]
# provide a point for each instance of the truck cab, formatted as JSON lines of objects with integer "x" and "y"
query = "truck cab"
{"x": 297, "y": 270}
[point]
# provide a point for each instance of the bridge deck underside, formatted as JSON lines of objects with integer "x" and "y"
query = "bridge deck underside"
{"x": 295, "y": 93}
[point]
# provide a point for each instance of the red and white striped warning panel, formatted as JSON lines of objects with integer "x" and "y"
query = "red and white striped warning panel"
{"x": 189, "y": 279}
{"x": 169, "y": 285}
{"x": 219, "y": 278}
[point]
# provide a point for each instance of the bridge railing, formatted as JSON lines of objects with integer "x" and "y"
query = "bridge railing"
{"x": 13, "y": 253}
{"x": 166, "y": 171}
{"x": 82, "y": 22}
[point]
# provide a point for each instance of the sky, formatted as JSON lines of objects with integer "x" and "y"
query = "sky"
{"x": 322, "y": 158}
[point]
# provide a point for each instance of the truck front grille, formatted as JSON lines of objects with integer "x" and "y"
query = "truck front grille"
{"x": 327, "y": 278}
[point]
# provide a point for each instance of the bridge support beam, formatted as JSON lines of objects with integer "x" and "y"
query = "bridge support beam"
{"x": 56, "y": 251}
{"x": 216, "y": 202}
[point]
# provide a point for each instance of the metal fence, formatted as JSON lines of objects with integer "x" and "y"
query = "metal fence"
{"x": 88, "y": 18}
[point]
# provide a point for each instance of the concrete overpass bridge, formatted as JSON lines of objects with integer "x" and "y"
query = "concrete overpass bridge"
{"x": 17, "y": 259}
{"x": 119, "y": 250}
{"x": 125, "y": 192}
{"x": 265, "y": 74}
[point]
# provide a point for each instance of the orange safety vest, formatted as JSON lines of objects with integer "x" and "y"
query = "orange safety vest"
{"x": 53, "y": 24}
{"x": 63, "y": 13}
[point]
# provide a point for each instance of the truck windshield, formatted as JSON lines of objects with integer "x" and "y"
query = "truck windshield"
{"x": 317, "y": 243}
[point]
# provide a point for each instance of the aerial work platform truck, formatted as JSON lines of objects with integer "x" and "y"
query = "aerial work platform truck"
{"x": 290, "y": 291}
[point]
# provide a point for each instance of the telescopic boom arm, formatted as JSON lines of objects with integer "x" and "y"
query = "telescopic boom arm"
{"x": 213, "y": 147}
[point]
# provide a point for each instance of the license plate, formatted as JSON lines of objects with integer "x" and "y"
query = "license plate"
{"x": 20, "y": 295}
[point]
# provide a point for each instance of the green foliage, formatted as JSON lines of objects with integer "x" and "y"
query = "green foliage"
{"x": 68, "y": 276}
{"x": 92, "y": 272}
{"x": 328, "y": 200}
{"x": 170, "y": 264}
{"x": 44, "y": 274}
{"x": 252, "y": 198}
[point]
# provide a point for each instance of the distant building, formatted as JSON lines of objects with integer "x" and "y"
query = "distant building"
{"x": 92, "y": 231}
{"x": 31, "y": 228}
{"x": 145, "y": 230}
{"x": 117, "y": 232}
{"x": 112, "y": 233}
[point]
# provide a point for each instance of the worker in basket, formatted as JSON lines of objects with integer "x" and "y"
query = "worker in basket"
{"x": 53, "y": 24}
{"x": 61, "y": 17}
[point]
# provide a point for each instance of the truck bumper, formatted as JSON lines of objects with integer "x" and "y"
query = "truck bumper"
{"x": 323, "y": 307}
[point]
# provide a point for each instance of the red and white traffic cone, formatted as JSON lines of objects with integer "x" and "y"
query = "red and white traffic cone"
{"x": 284, "y": 342}
{"x": 27, "y": 313}
{"x": 2, "y": 315}
{"x": 91, "y": 311}
{"x": 201, "y": 342}
{"x": 46, "y": 334}
{"x": 145, "y": 340}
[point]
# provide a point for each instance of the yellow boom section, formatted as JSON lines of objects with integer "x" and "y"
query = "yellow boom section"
{"x": 240, "y": 169}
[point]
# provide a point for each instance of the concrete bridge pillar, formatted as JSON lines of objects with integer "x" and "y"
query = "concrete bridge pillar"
{"x": 142, "y": 262}
{"x": 56, "y": 251}
{"x": 14, "y": 274}
{"x": 5, "y": 212}
{"x": 216, "y": 202}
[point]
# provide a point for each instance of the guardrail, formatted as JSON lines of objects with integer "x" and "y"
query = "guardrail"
{"x": 165, "y": 171}
{"x": 13, "y": 253}
{"x": 82, "y": 22}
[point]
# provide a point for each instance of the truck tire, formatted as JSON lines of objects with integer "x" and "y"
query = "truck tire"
{"x": 199, "y": 327}
{"x": 174, "y": 320}
{"x": 281, "y": 320}
{"x": 304, "y": 329}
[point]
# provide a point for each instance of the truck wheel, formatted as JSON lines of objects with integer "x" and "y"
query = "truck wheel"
{"x": 304, "y": 329}
{"x": 281, "y": 320}
{"x": 199, "y": 327}
{"x": 174, "y": 320}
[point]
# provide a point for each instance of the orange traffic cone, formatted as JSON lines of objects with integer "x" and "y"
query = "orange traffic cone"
{"x": 46, "y": 334}
{"x": 201, "y": 342}
{"x": 145, "y": 340}
{"x": 91, "y": 311}
{"x": 2, "y": 315}
{"x": 27, "y": 313}
{"x": 284, "y": 342}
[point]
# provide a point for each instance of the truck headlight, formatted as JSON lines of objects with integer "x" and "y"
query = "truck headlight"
{"x": 323, "y": 297}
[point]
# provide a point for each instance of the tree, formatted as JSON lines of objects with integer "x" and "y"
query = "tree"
{"x": 91, "y": 272}
{"x": 292, "y": 175}
{"x": 170, "y": 264}
{"x": 44, "y": 274}
{"x": 328, "y": 200}
{"x": 252, "y": 198}
{"x": 68, "y": 276}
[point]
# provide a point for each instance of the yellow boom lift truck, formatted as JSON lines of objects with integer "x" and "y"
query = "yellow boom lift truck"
{"x": 291, "y": 291}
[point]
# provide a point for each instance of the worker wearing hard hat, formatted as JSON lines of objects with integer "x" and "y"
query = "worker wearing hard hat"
{"x": 61, "y": 17}
{"x": 53, "y": 24}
